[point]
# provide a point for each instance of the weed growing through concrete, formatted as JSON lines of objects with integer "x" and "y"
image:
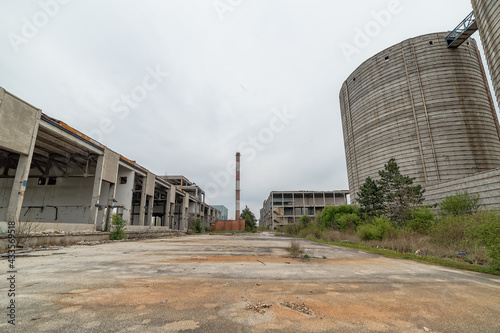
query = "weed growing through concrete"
{"x": 118, "y": 228}
{"x": 24, "y": 230}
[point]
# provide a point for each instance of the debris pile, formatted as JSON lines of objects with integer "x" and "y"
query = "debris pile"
{"x": 88, "y": 243}
{"x": 302, "y": 308}
{"x": 258, "y": 307}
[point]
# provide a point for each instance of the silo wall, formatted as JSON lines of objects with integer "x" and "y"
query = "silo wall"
{"x": 425, "y": 105}
{"x": 488, "y": 19}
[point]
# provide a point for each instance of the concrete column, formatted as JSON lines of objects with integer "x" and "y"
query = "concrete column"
{"x": 149, "y": 212}
{"x": 110, "y": 206}
{"x": 21, "y": 179}
{"x": 142, "y": 210}
{"x": 18, "y": 188}
{"x": 96, "y": 192}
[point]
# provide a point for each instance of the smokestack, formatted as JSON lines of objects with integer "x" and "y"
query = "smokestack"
{"x": 237, "y": 186}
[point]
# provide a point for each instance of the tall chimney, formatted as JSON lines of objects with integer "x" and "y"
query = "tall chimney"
{"x": 237, "y": 186}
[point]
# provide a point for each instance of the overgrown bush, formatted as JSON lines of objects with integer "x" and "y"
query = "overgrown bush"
{"x": 292, "y": 229}
{"x": 423, "y": 218}
{"x": 312, "y": 230}
{"x": 483, "y": 228}
{"x": 449, "y": 231}
{"x": 117, "y": 228}
{"x": 348, "y": 221}
{"x": 304, "y": 221}
{"x": 197, "y": 226}
{"x": 462, "y": 203}
{"x": 330, "y": 215}
{"x": 380, "y": 228}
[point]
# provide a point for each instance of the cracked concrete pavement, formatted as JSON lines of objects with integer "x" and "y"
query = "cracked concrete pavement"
{"x": 204, "y": 283}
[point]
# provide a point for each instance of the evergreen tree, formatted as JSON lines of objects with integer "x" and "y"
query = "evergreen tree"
{"x": 370, "y": 197}
{"x": 393, "y": 195}
{"x": 400, "y": 195}
{"x": 249, "y": 218}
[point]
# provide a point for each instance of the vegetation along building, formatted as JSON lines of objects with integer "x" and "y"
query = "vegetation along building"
{"x": 284, "y": 207}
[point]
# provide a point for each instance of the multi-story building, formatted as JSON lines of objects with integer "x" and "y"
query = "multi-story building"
{"x": 223, "y": 210}
{"x": 284, "y": 207}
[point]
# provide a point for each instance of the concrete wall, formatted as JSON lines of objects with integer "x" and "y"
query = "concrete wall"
{"x": 17, "y": 123}
{"x": 71, "y": 196}
{"x": 423, "y": 104}
{"x": 488, "y": 19}
{"x": 486, "y": 184}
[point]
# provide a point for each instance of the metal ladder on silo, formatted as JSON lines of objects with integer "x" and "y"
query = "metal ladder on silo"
{"x": 462, "y": 32}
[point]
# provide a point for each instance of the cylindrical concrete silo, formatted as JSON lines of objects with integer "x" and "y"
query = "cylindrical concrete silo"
{"x": 425, "y": 105}
{"x": 488, "y": 20}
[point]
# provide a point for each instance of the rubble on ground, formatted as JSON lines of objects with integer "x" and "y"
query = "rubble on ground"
{"x": 302, "y": 308}
{"x": 258, "y": 307}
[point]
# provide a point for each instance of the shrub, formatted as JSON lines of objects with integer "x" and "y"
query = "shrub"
{"x": 449, "y": 230}
{"x": 292, "y": 229}
{"x": 197, "y": 226}
{"x": 329, "y": 216}
{"x": 462, "y": 203}
{"x": 484, "y": 228}
{"x": 313, "y": 230}
{"x": 368, "y": 232}
{"x": 304, "y": 221}
{"x": 423, "y": 218}
{"x": 348, "y": 221}
{"x": 117, "y": 228}
{"x": 379, "y": 229}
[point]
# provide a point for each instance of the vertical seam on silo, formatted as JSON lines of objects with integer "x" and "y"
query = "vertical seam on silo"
{"x": 414, "y": 115}
{"x": 352, "y": 135}
{"x": 426, "y": 115}
{"x": 488, "y": 92}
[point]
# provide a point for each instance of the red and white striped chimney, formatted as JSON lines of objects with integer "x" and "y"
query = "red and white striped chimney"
{"x": 237, "y": 186}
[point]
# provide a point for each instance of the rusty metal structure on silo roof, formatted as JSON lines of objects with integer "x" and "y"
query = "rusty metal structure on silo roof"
{"x": 424, "y": 104}
{"x": 488, "y": 19}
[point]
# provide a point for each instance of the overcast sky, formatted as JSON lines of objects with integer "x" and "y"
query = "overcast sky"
{"x": 181, "y": 85}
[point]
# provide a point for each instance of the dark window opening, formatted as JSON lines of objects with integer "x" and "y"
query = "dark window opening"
{"x": 431, "y": 43}
{"x": 41, "y": 181}
{"x": 52, "y": 181}
{"x": 123, "y": 180}
{"x": 386, "y": 58}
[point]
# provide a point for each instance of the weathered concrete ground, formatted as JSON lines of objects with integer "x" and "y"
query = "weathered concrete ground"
{"x": 204, "y": 283}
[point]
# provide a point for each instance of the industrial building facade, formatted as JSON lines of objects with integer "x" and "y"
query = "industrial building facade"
{"x": 284, "y": 207}
{"x": 53, "y": 174}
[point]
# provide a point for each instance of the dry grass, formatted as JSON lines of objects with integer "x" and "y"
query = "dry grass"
{"x": 295, "y": 245}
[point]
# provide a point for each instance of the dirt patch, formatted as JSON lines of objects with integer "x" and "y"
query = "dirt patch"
{"x": 341, "y": 307}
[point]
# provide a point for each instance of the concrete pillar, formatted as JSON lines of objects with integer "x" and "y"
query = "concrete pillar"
{"x": 142, "y": 209}
{"x": 110, "y": 206}
{"x": 21, "y": 179}
{"x": 96, "y": 192}
{"x": 18, "y": 188}
{"x": 149, "y": 212}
